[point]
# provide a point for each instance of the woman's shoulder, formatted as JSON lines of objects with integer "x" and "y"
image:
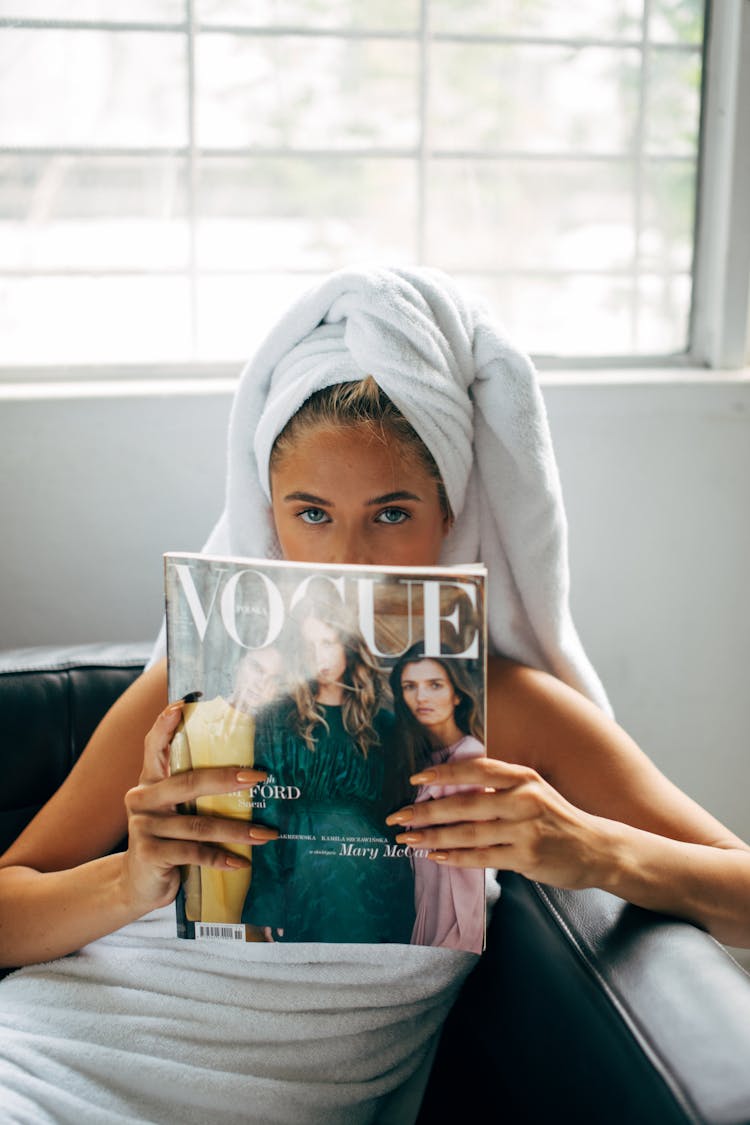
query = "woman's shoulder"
{"x": 520, "y": 686}
{"x": 532, "y": 715}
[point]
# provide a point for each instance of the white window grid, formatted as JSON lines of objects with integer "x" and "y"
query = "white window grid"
{"x": 721, "y": 267}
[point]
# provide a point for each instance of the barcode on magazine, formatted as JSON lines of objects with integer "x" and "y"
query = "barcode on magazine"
{"x": 223, "y": 933}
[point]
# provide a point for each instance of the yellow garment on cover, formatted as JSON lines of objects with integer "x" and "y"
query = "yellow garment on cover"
{"x": 214, "y": 733}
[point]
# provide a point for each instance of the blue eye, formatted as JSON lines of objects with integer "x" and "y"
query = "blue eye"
{"x": 393, "y": 516}
{"x": 313, "y": 515}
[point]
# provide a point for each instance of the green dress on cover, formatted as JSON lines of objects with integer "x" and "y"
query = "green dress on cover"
{"x": 336, "y": 874}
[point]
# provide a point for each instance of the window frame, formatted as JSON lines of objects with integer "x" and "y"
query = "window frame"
{"x": 719, "y": 328}
{"x": 720, "y": 321}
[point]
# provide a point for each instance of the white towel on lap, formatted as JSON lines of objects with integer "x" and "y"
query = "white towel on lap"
{"x": 474, "y": 400}
{"x": 143, "y": 1027}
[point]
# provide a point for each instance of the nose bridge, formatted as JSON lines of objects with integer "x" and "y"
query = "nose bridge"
{"x": 350, "y": 545}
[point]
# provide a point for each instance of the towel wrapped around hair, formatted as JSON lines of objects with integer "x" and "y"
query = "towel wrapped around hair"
{"x": 475, "y": 402}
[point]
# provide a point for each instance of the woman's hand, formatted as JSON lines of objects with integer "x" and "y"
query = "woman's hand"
{"x": 606, "y": 818}
{"x": 510, "y": 819}
{"x": 161, "y": 839}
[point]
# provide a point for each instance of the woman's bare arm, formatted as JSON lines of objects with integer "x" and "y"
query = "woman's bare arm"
{"x": 86, "y": 817}
{"x": 574, "y": 802}
{"x": 58, "y": 890}
{"x": 56, "y": 893}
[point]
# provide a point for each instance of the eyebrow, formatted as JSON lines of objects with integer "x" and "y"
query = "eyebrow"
{"x": 386, "y": 498}
{"x": 308, "y": 498}
{"x": 389, "y": 497}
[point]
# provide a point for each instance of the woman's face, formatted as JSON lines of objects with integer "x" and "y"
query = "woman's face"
{"x": 327, "y": 653}
{"x": 259, "y": 679}
{"x": 348, "y": 495}
{"x": 428, "y": 692}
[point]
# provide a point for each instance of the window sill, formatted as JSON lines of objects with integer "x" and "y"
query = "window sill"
{"x": 640, "y": 377}
{"x": 222, "y": 380}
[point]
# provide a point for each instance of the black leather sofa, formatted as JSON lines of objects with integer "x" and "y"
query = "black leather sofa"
{"x": 584, "y": 1009}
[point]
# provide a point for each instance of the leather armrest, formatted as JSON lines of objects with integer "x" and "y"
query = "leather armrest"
{"x": 588, "y": 1009}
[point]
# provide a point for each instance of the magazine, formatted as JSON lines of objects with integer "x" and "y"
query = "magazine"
{"x": 340, "y": 683}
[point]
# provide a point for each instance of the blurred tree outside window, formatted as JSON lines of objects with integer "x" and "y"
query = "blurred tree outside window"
{"x": 174, "y": 172}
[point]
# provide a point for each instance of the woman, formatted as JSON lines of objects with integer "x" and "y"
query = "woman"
{"x": 329, "y": 745}
{"x": 445, "y": 455}
{"x": 438, "y": 715}
{"x": 223, "y": 731}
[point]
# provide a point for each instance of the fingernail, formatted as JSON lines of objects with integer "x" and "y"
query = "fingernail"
{"x": 410, "y": 838}
{"x": 260, "y": 832}
{"x": 235, "y": 861}
{"x": 439, "y": 857}
{"x": 191, "y": 697}
{"x": 250, "y": 777}
{"x": 423, "y": 777}
{"x": 400, "y": 817}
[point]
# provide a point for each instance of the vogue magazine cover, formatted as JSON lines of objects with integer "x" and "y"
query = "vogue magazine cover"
{"x": 340, "y": 682}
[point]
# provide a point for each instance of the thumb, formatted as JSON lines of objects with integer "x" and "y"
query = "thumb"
{"x": 157, "y": 744}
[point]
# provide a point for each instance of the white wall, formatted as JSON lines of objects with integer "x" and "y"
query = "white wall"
{"x": 657, "y": 484}
{"x": 94, "y": 489}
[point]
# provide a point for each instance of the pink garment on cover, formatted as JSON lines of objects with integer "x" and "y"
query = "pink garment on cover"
{"x": 450, "y": 901}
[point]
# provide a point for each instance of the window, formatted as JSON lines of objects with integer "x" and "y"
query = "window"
{"x": 175, "y": 171}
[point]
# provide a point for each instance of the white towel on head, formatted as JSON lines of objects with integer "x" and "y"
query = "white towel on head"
{"x": 473, "y": 399}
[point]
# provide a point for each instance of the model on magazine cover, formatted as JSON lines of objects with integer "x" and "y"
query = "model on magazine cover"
{"x": 332, "y": 875}
{"x": 439, "y": 717}
{"x": 221, "y": 732}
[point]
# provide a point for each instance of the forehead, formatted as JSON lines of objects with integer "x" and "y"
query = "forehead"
{"x": 315, "y": 629}
{"x": 361, "y": 451}
{"x": 424, "y": 670}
